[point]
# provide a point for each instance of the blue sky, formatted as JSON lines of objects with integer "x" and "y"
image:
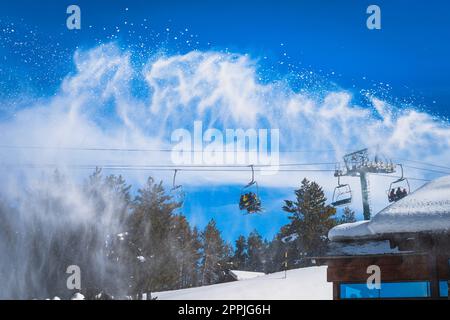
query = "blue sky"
{"x": 405, "y": 62}
{"x": 410, "y": 51}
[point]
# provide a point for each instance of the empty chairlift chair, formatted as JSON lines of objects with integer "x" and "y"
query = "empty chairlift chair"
{"x": 342, "y": 194}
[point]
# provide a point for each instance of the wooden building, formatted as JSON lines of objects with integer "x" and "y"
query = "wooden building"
{"x": 406, "y": 244}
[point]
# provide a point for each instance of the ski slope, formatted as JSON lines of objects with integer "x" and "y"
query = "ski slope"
{"x": 300, "y": 284}
{"x": 245, "y": 275}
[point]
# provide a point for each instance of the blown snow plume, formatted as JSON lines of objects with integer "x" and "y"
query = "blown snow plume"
{"x": 111, "y": 101}
{"x": 55, "y": 224}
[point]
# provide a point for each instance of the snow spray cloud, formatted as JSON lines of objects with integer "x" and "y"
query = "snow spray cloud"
{"x": 54, "y": 224}
{"x": 110, "y": 103}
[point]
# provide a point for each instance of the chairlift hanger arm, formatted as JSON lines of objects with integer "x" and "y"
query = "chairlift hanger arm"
{"x": 174, "y": 185}
{"x": 253, "y": 177}
{"x": 174, "y": 177}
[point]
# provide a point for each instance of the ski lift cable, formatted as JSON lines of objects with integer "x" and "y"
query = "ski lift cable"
{"x": 181, "y": 166}
{"x": 193, "y": 169}
{"x": 146, "y": 149}
{"x": 392, "y": 176}
{"x": 424, "y": 163}
{"x": 150, "y": 168}
{"x": 425, "y": 169}
{"x": 218, "y": 168}
{"x": 223, "y": 151}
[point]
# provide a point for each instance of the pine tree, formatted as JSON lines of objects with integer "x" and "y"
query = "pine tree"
{"x": 216, "y": 255}
{"x": 149, "y": 226}
{"x": 194, "y": 258}
{"x": 185, "y": 247}
{"x": 256, "y": 254}
{"x": 110, "y": 196}
{"x": 286, "y": 241}
{"x": 348, "y": 216}
{"x": 310, "y": 218}
{"x": 240, "y": 257}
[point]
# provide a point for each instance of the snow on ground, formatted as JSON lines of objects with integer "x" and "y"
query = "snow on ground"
{"x": 427, "y": 209}
{"x": 77, "y": 296}
{"x": 245, "y": 275}
{"x": 300, "y": 284}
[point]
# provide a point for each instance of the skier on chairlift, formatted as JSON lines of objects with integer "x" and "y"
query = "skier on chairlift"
{"x": 404, "y": 192}
{"x": 250, "y": 202}
{"x": 255, "y": 203}
{"x": 392, "y": 195}
{"x": 398, "y": 194}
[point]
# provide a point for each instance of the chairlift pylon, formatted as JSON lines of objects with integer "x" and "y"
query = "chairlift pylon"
{"x": 342, "y": 194}
{"x": 399, "y": 188}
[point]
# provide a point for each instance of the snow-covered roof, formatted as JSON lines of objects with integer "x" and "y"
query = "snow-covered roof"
{"x": 359, "y": 248}
{"x": 425, "y": 210}
{"x": 244, "y": 275}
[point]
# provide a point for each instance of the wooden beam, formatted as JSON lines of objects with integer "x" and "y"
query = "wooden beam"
{"x": 336, "y": 291}
{"x": 434, "y": 285}
{"x": 388, "y": 273}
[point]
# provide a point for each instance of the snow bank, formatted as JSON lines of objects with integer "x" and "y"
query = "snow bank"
{"x": 358, "y": 229}
{"x": 245, "y": 275}
{"x": 300, "y": 284}
{"x": 361, "y": 248}
{"x": 425, "y": 210}
{"x": 77, "y": 296}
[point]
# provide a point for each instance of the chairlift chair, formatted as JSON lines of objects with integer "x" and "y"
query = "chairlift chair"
{"x": 249, "y": 200}
{"x": 342, "y": 194}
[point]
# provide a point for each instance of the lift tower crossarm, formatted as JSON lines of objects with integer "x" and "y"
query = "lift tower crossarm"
{"x": 358, "y": 164}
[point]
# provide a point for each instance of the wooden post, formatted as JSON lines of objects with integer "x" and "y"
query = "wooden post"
{"x": 336, "y": 291}
{"x": 448, "y": 280}
{"x": 434, "y": 284}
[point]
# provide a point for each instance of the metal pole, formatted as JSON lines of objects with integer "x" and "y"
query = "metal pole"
{"x": 365, "y": 195}
{"x": 285, "y": 264}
